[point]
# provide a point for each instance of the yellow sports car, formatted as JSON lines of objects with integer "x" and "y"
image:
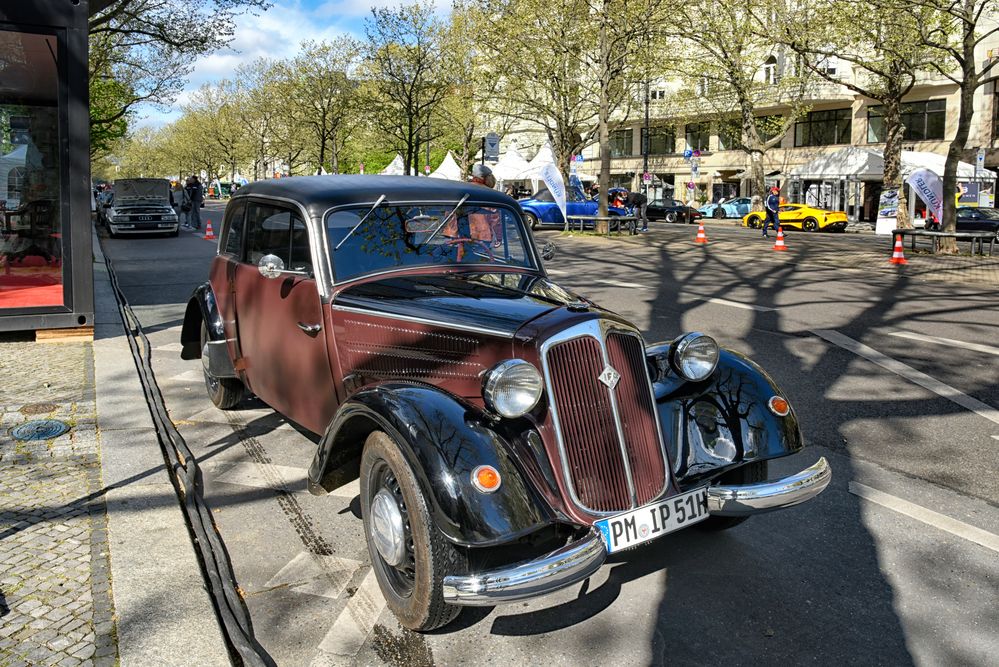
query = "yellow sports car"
{"x": 799, "y": 216}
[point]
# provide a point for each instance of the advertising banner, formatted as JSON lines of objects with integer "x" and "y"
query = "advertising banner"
{"x": 928, "y": 187}
{"x": 553, "y": 179}
{"x": 887, "y": 211}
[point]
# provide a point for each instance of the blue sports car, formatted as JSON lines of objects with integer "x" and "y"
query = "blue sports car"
{"x": 542, "y": 211}
{"x": 730, "y": 208}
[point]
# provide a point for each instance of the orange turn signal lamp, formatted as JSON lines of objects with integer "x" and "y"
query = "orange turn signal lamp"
{"x": 486, "y": 479}
{"x": 779, "y": 406}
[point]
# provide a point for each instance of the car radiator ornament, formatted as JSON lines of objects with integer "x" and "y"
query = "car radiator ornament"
{"x": 609, "y": 377}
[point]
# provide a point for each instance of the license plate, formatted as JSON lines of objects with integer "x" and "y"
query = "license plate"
{"x": 652, "y": 521}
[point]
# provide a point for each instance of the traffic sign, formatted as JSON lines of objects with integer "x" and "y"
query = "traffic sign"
{"x": 690, "y": 185}
{"x": 688, "y": 153}
{"x": 695, "y": 170}
{"x": 492, "y": 146}
{"x": 579, "y": 158}
{"x": 697, "y": 153}
{"x": 980, "y": 161}
{"x": 426, "y": 169}
{"x": 646, "y": 177}
{"x": 362, "y": 167}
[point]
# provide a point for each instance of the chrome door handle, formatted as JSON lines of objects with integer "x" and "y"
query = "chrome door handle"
{"x": 311, "y": 329}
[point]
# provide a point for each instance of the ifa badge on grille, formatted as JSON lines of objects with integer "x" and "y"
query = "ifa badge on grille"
{"x": 609, "y": 377}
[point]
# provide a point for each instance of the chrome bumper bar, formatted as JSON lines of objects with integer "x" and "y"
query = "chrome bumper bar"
{"x": 563, "y": 567}
{"x": 579, "y": 560}
{"x": 746, "y": 499}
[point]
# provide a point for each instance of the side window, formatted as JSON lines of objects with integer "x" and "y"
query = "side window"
{"x": 275, "y": 230}
{"x": 234, "y": 230}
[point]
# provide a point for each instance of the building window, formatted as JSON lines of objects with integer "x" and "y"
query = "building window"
{"x": 729, "y": 135}
{"x": 827, "y": 65}
{"x": 659, "y": 141}
{"x": 768, "y": 127}
{"x": 620, "y": 142}
{"x": 922, "y": 121}
{"x": 770, "y": 71}
{"x": 823, "y": 128}
{"x": 697, "y": 135}
{"x": 701, "y": 88}
{"x": 657, "y": 95}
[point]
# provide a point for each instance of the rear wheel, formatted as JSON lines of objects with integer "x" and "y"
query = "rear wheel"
{"x": 408, "y": 553}
{"x": 754, "y": 222}
{"x": 226, "y": 393}
{"x": 751, "y": 473}
{"x": 810, "y": 225}
{"x": 670, "y": 216}
{"x": 718, "y": 213}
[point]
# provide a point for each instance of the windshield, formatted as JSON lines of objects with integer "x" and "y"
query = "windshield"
{"x": 395, "y": 237}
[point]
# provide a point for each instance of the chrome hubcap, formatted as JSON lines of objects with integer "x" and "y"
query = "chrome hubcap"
{"x": 387, "y": 528}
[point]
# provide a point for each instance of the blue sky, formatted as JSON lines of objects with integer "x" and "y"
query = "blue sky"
{"x": 276, "y": 33}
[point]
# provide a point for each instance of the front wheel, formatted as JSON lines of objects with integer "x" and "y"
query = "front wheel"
{"x": 750, "y": 473}
{"x": 718, "y": 213}
{"x": 226, "y": 393}
{"x": 810, "y": 225}
{"x": 754, "y": 222}
{"x": 670, "y": 216}
{"x": 408, "y": 553}
{"x": 530, "y": 220}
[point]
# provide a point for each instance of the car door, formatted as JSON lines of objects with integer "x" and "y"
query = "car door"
{"x": 282, "y": 335}
{"x": 970, "y": 220}
{"x": 223, "y": 271}
{"x": 791, "y": 215}
{"x": 577, "y": 204}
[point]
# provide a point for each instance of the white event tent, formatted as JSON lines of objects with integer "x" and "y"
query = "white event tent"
{"x": 397, "y": 167}
{"x": 448, "y": 169}
{"x": 510, "y": 166}
{"x": 544, "y": 157}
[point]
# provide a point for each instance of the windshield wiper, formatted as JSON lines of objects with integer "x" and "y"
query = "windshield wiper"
{"x": 446, "y": 219}
{"x": 359, "y": 223}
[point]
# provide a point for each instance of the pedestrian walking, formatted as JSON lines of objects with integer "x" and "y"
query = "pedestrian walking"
{"x": 196, "y": 193}
{"x": 771, "y": 205}
{"x": 639, "y": 205}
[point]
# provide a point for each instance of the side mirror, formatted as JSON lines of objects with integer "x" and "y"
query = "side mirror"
{"x": 270, "y": 266}
{"x": 548, "y": 251}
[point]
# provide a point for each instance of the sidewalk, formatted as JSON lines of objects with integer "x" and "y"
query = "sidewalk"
{"x": 96, "y": 561}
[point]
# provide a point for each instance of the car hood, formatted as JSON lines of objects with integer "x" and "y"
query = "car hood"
{"x": 488, "y": 302}
{"x": 144, "y": 189}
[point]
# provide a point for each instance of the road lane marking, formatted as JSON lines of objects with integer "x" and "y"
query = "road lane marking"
{"x": 349, "y": 490}
{"x": 945, "y": 523}
{"x": 910, "y": 374}
{"x": 987, "y": 349}
{"x": 995, "y": 437}
{"x": 170, "y": 347}
{"x": 357, "y": 620}
{"x": 736, "y": 304}
{"x": 323, "y": 576}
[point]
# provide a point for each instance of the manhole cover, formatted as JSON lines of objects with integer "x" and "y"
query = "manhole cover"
{"x": 38, "y": 408}
{"x": 39, "y": 429}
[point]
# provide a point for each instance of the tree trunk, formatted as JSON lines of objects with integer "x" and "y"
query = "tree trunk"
{"x": 966, "y": 111}
{"x": 894, "y": 134}
{"x": 603, "y": 129}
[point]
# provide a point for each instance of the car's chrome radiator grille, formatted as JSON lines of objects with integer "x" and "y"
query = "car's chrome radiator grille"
{"x": 606, "y": 475}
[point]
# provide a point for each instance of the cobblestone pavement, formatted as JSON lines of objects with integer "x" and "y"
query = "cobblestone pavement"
{"x": 55, "y": 597}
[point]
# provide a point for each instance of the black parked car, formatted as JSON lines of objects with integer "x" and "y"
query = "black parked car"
{"x": 672, "y": 210}
{"x": 508, "y": 434}
{"x": 973, "y": 219}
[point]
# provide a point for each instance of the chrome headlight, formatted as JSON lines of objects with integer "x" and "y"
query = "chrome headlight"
{"x": 694, "y": 356}
{"x": 513, "y": 388}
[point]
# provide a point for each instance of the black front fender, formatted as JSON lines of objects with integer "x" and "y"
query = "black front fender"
{"x": 444, "y": 440}
{"x": 725, "y": 421}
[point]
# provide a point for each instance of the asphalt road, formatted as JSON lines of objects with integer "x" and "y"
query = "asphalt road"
{"x": 896, "y": 563}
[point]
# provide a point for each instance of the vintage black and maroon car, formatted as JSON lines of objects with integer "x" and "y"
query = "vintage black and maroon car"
{"x": 508, "y": 434}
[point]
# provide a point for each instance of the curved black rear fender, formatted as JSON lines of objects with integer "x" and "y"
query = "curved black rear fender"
{"x": 443, "y": 440}
{"x": 725, "y": 421}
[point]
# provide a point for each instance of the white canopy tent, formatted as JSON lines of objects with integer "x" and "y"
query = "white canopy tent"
{"x": 544, "y": 157}
{"x": 397, "y": 167}
{"x": 868, "y": 164}
{"x": 510, "y": 166}
{"x": 448, "y": 169}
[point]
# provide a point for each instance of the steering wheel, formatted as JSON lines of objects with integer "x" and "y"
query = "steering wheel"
{"x": 463, "y": 240}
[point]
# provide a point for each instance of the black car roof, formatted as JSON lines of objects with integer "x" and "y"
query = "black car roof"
{"x": 319, "y": 193}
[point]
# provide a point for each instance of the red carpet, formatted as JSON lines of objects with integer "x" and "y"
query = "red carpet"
{"x": 30, "y": 287}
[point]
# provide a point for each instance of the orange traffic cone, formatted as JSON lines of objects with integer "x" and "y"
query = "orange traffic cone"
{"x": 779, "y": 245}
{"x": 209, "y": 234}
{"x": 701, "y": 236}
{"x": 897, "y": 257}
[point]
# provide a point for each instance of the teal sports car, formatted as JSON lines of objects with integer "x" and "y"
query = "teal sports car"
{"x": 736, "y": 207}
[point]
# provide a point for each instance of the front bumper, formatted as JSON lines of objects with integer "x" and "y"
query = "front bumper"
{"x": 581, "y": 559}
{"x": 144, "y": 228}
